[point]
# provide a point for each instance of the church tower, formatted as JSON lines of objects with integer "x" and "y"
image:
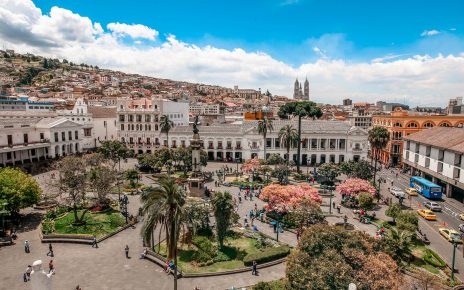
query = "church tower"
{"x": 300, "y": 93}
{"x": 296, "y": 88}
{"x": 306, "y": 89}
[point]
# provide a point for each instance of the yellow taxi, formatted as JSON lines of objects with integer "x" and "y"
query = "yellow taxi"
{"x": 451, "y": 235}
{"x": 427, "y": 214}
{"x": 411, "y": 191}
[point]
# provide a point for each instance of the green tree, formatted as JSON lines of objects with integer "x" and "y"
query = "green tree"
{"x": 114, "y": 151}
{"x": 265, "y": 126}
{"x": 223, "y": 212}
{"x": 166, "y": 125}
{"x": 195, "y": 216}
{"x": 18, "y": 189}
{"x": 398, "y": 244}
{"x": 378, "y": 138}
{"x": 163, "y": 206}
{"x": 328, "y": 257}
{"x": 281, "y": 172}
{"x": 72, "y": 177}
{"x": 132, "y": 175}
{"x": 101, "y": 178}
{"x": 393, "y": 211}
{"x": 300, "y": 109}
{"x": 365, "y": 200}
{"x": 329, "y": 172}
{"x": 288, "y": 137}
{"x": 357, "y": 169}
{"x": 407, "y": 220}
{"x": 275, "y": 159}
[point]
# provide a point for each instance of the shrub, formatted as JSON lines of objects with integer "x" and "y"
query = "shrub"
{"x": 201, "y": 257}
{"x": 48, "y": 227}
{"x": 267, "y": 255}
{"x": 365, "y": 200}
{"x": 271, "y": 285}
{"x": 433, "y": 259}
{"x": 407, "y": 221}
{"x": 205, "y": 232}
{"x": 116, "y": 221}
{"x": 205, "y": 245}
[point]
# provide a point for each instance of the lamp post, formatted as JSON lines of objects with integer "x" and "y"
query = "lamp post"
{"x": 277, "y": 229}
{"x": 330, "y": 188}
{"x": 454, "y": 259}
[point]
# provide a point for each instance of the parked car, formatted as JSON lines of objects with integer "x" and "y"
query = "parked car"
{"x": 227, "y": 184}
{"x": 451, "y": 235}
{"x": 397, "y": 192}
{"x": 411, "y": 191}
{"x": 432, "y": 205}
{"x": 461, "y": 216}
{"x": 427, "y": 214}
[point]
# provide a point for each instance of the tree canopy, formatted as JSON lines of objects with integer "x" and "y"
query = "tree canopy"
{"x": 18, "y": 189}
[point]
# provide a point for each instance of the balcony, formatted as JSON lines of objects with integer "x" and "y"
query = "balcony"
{"x": 229, "y": 147}
{"x": 211, "y": 147}
{"x": 357, "y": 150}
{"x": 220, "y": 147}
{"x": 238, "y": 147}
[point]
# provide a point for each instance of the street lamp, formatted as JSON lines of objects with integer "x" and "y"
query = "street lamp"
{"x": 454, "y": 259}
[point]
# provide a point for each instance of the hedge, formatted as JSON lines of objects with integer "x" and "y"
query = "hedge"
{"x": 433, "y": 259}
{"x": 267, "y": 255}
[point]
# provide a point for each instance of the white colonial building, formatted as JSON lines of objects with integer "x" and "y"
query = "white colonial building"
{"x": 80, "y": 114}
{"x": 437, "y": 154}
{"x": 322, "y": 141}
{"x": 31, "y": 136}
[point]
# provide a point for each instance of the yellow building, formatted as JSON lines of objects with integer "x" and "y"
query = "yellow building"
{"x": 400, "y": 123}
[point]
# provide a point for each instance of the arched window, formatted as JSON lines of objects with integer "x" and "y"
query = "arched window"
{"x": 445, "y": 124}
{"x": 428, "y": 125}
{"x": 398, "y": 124}
{"x": 412, "y": 125}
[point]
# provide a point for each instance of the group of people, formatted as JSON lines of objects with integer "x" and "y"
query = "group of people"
{"x": 27, "y": 250}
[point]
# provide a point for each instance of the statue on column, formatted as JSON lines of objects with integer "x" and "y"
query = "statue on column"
{"x": 39, "y": 279}
{"x": 195, "y": 124}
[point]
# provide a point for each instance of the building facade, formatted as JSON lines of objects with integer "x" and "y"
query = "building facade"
{"x": 437, "y": 154}
{"x": 401, "y": 124}
{"x": 104, "y": 121}
{"x": 322, "y": 141}
{"x": 29, "y": 137}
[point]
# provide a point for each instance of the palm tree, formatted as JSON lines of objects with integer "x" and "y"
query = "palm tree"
{"x": 264, "y": 127}
{"x": 300, "y": 109}
{"x": 288, "y": 137}
{"x": 162, "y": 206}
{"x": 398, "y": 245}
{"x": 378, "y": 138}
{"x": 223, "y": 209}
{"x": 166, "y": 125}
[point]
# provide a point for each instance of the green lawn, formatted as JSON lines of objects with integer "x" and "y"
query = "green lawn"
{"x": 98, "y": 224}
{"x": 234, "y": 248}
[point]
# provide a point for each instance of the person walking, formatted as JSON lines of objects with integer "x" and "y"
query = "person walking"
{"x": 78, "y": 287}
{"x": 50, "y": 250}
{"x": 27, "y": 273}
{"x": 126, "y": 249}
{"x": 27, "y": 248}
{"x": 254, "y": 268}
{"x": 51, "y": 267}
{"x": 94, "y": 242}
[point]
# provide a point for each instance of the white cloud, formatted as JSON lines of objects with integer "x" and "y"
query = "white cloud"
{"x": 430, "y": 32}
{"x": 133, "y": 30}
{"x": 319, "y": 52}
{"x": 422, "y": 79}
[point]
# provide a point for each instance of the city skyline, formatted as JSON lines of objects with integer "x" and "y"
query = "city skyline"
{"x": 340, "y": 54}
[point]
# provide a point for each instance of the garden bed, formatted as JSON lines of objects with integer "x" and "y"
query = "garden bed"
{"x": 238, "y": 252}
{"x": 96, "y": 223}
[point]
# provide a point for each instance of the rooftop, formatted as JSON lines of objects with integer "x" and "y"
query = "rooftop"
{"x": 102, "y": 112}
{"x": 441, "y": 137}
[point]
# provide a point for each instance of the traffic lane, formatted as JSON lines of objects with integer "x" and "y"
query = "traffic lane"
{"x": 443, "y": 247}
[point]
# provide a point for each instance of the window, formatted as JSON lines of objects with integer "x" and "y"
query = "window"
{"x": 397, "y": 124}
{"x": 445, "y": 124}
{"x": 323, "y": 145}
{"x": 277, "y": 143}
{"x": 210, "y": 145}
{"x": 341, "y": 144}
{"x": 131, "y": 140}
{"x": 440, "y": 167}
{"x": 26, "y": 138}
{"x": 427, "y": 162}
{"x": 332, "y": 144}
{"x": 69, "y": 135}
{"x": 76, "y": 134}
{"x": 428, "y": 149}
{"x": 441, "y": 155}
{"x": 87, "y": 132}
{"x": 396, "y": 148}
{"x": 56, "y": 136}
{"x": 42, "y": 136}
{"x": 131, "y": 118}
{"x": 313, "y": 143}
{"x": 139, "y": 118}
{"x": 456, "y": 173}
{"x": 122, "y": 127}
{"x": 104, "y": 124}
{"x": 268, "y": 142}
{"x": 63, "y": 136}
{"x": 428, "y": 125}
{"x": 219, "y": 144}
{"x": 457, "y": 159}
{"x": 122, "y": 118}
{"x": 147, "y": 118}
{"x": 229, "y": 144}
{"x": 416, "y": 158}
{"x": 341, "y": 158}
{"x": 407, "y": 155}
{"x": 182, "y": 143}
{"x": 408, "y": 145}
{"x": 238, "y": 145}
{"x": 412, "y": 125}
{"x": 417, "y": 148}
{"x": 332, "y": 158}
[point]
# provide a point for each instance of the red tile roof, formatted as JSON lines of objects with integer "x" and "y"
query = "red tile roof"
{"x": 442, "y": 137}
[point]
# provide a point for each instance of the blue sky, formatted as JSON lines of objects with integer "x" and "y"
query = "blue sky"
{"x": 365, "y": 50}
{"x": 289, "y": 29}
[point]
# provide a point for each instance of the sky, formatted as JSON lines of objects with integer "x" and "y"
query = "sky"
{"x": 405, "y": 51}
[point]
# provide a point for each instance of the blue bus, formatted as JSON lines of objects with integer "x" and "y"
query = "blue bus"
{"x": 426, "y": 187}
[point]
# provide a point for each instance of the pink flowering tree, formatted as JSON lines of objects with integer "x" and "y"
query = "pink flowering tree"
{"x": 353, "y": 186}
{"x": 283, "y": 198}
{"x": 251, "y": 165}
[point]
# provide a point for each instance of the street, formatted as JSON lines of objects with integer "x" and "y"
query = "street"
{"x": 449, "y": 218}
